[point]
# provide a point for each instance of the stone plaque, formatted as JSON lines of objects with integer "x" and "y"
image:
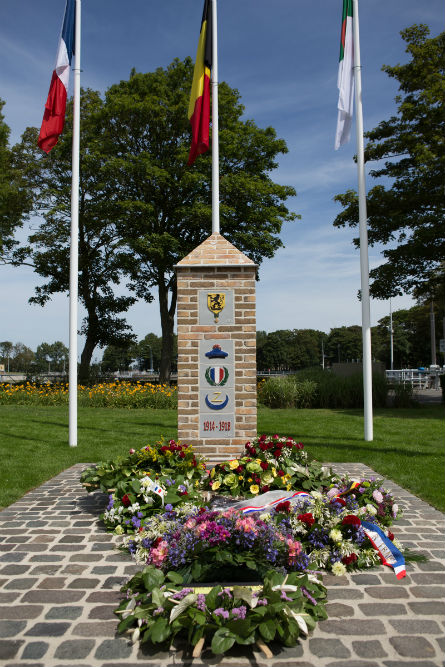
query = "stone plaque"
{"x": 216, "y": 306}
{"x": 216, "y": 388}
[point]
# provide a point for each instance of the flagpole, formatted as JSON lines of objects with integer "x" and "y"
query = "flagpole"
{"x": 74, "y": 263}
{"x": 364, "y": 261}
{"x": 215, "y": 129}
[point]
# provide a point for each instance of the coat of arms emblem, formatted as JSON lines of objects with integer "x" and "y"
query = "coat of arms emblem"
{"x": 217, "y": 376}
{"x": 216, "y": 303}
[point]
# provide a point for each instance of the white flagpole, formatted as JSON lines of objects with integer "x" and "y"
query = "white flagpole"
{"x": 364, "y": 262}
{"x": 74, "y": 263}
{"x": 215, "y": 130}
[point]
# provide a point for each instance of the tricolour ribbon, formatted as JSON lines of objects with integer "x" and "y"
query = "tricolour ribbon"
{"x": 250, "y": 508}
{"x": 388, "y": 553}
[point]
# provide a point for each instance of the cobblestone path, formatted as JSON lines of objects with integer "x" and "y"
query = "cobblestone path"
{"x": 60, "y": 576}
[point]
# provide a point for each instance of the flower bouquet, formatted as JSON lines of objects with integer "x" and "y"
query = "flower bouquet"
{"x": 158, "y": 608}
{"x": 369, "y": 494}
{"x": 270, "y": 462}
{"x": 169, "y": 458}
{"x": 135, "y": 499}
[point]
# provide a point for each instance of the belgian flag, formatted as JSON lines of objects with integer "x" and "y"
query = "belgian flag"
{"x": 199, "y": 107}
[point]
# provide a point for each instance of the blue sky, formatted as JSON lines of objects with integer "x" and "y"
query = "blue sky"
{"x": 282, "y": 56}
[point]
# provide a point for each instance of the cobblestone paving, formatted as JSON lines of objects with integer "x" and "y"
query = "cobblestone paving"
{"x": 60, "y": 576}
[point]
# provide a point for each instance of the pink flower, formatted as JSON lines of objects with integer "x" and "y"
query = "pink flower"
{"x": 132, "y": 451}
{"x": 158, "y": 554}
{"x": 332, "y": 492}
{"x": 377, "y": 496}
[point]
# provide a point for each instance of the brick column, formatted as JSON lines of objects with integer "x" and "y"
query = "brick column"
{"x": 216, "y": 349}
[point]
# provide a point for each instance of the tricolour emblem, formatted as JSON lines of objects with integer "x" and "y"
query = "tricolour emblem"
{"x": 217, "y": 376}
{"x": 216, "y": 303}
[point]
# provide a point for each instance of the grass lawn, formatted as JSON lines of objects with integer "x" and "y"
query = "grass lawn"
{"x": 408, "y": 445}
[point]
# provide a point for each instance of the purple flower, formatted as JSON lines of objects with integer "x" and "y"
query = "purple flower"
{"x": 181, "y": 594}
{"x": 168, "y": 507}
{"x": 110, "y": 502}
{"x": 262, "y": 602}
{"x": 226, "y": 591}
{"x": 239, "y": 612}
{"x": 285, "y": 597}
{"x": 309, "y": 596}
{"x": 221, "y": 612}
{"x": 201, "y": 602}
{"x": 158, "y": 611}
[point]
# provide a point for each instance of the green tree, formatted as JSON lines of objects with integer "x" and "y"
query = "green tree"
{"x": 23, "y": 358}
{"x": 15, "y": 198}
{"x": 408, "y": 214}
{"x": 6, "y": 348}
{"x": 52, "y": 356}
{"x": 344, "y": 344}
{"x": 103, "y": 257}
{"x": 117, "y": 358}
{"x": 165, "y": 205}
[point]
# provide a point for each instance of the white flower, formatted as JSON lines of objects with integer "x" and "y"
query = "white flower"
{"x": 371, "y": 509}
{"x": 316, "y": 494}
{"x": 338, "y": 569}
{"x": 395, "y": 509}
{"x": 335, "y": 535}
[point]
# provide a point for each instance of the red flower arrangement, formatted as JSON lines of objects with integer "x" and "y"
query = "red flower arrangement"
{"x": 306, "y": 518}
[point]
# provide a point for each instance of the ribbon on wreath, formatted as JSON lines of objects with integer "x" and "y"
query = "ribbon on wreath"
{"x": 267, "y": 506}
{"x": 387, "y": 551}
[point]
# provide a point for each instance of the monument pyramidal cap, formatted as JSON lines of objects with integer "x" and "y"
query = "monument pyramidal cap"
{"x": 215, "y": 251}
{"x": 217, "y": 408}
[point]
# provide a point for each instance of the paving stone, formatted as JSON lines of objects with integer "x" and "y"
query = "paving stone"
{"x": 34, "y": 650}
{"x": 74, "y": 539}
{"x": 112, "y": 649}
{"x": 382, "y": 609}
{"x": 95, "y": 629}
{"x": 104, "y": 569}
{"x": 415, "y": 627}
{"x": 21, "y": 611}
{"x": 74, "y": 568}
{"x": 83, "y": 583}
{"x": 369, "y": 649}
{"x": 21, "y": 584}
{"x": 47, "y": 630}
{"x": 435, "y": 592}
{"x": 337, "y": 610}
{"x": 11, "y": 628}
{"x": 329, "y": 648}
{"x": 14, "y": 569}
{"x": 74, "y": 649}
{"x": 413, "y": 647}
{"x": 387, "y": 592}
{"x": 410, "y": 663}
{"x": 428, "y": 578}
{"x": 365, "y": 579}
{"x": 13, "y": 557}
{"x": 52, "y": 582}
{"x": 68, "y": 613}
{"x": 45, "y": 569}
{"x": 46, "y": 558}
{"x": 345, "y": 594}
{"x": 9, "y": 648}
{"x": 353, "y": 626}
{"x": 9, "y": 598}
{"x": 53, "y": 596}
{"x": 103, "y": 612}
{"x": 427, "y": 608}
{"x": 112, "y": 597}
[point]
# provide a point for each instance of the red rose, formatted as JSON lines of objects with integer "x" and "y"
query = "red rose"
{"x": 239, "y": 470}
{"x": 347, "y": 560}
{"x": 283, "y": 507}
{"x": 263, "y": 447}
{"x": 126, "y": 502}
{"x": 339, "y": 501}
{"x": 307, "y": 518}
{"x": 265, "y": 488}
{"x": 262, "y": 438}
{"x": 181, "y": 455}
{"x": 264, "y": 465}
{"x": 299, "y": 445}
{"x": 351, "y": 520}
{"x": 281, "y": 473}
{"x": 277, "y": 453}
{"x": 390, "y": 535}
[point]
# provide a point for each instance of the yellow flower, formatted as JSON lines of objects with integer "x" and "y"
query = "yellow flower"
{"x": 233, "y": 464}
{"x": 216, "y": 485}
{"x": 250, "y": 479}
{"x": 288, "y": 487}
{"x": 212, "y": 473}
{"x": 240, "y": 477}
{"x": 274, "y": 472}
{"x": 254, "y": 488}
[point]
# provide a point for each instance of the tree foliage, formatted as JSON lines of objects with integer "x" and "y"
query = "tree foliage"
{"x": 141, "y": 208}
{"x": 406, "y": 212}
{"x": 15, "y": 197}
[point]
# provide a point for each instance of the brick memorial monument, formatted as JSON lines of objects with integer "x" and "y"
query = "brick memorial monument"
{"x": 216, "y": 349}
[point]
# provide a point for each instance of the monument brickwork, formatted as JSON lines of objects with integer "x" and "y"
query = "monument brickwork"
{"x": 216, "y": 349}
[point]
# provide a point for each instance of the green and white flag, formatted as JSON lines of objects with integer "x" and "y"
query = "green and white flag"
{"x": 345, "y": 81}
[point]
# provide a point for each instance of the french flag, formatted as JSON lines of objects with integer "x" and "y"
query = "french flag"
{"x": 54, "y": 116}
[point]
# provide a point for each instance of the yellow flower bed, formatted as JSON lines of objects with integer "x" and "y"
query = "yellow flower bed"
{"x": 103, "y": 395}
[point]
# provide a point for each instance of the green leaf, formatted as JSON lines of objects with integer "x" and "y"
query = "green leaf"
{"x": 222, "y": 641}
{"x": 160, "y": 630}
{"x": 174, "y": 577}
{"x": 126, "y": 623}
{"x": 152, "y": 577}
{"x": 268, "y": 629}
{"x": 182, "y": 606}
